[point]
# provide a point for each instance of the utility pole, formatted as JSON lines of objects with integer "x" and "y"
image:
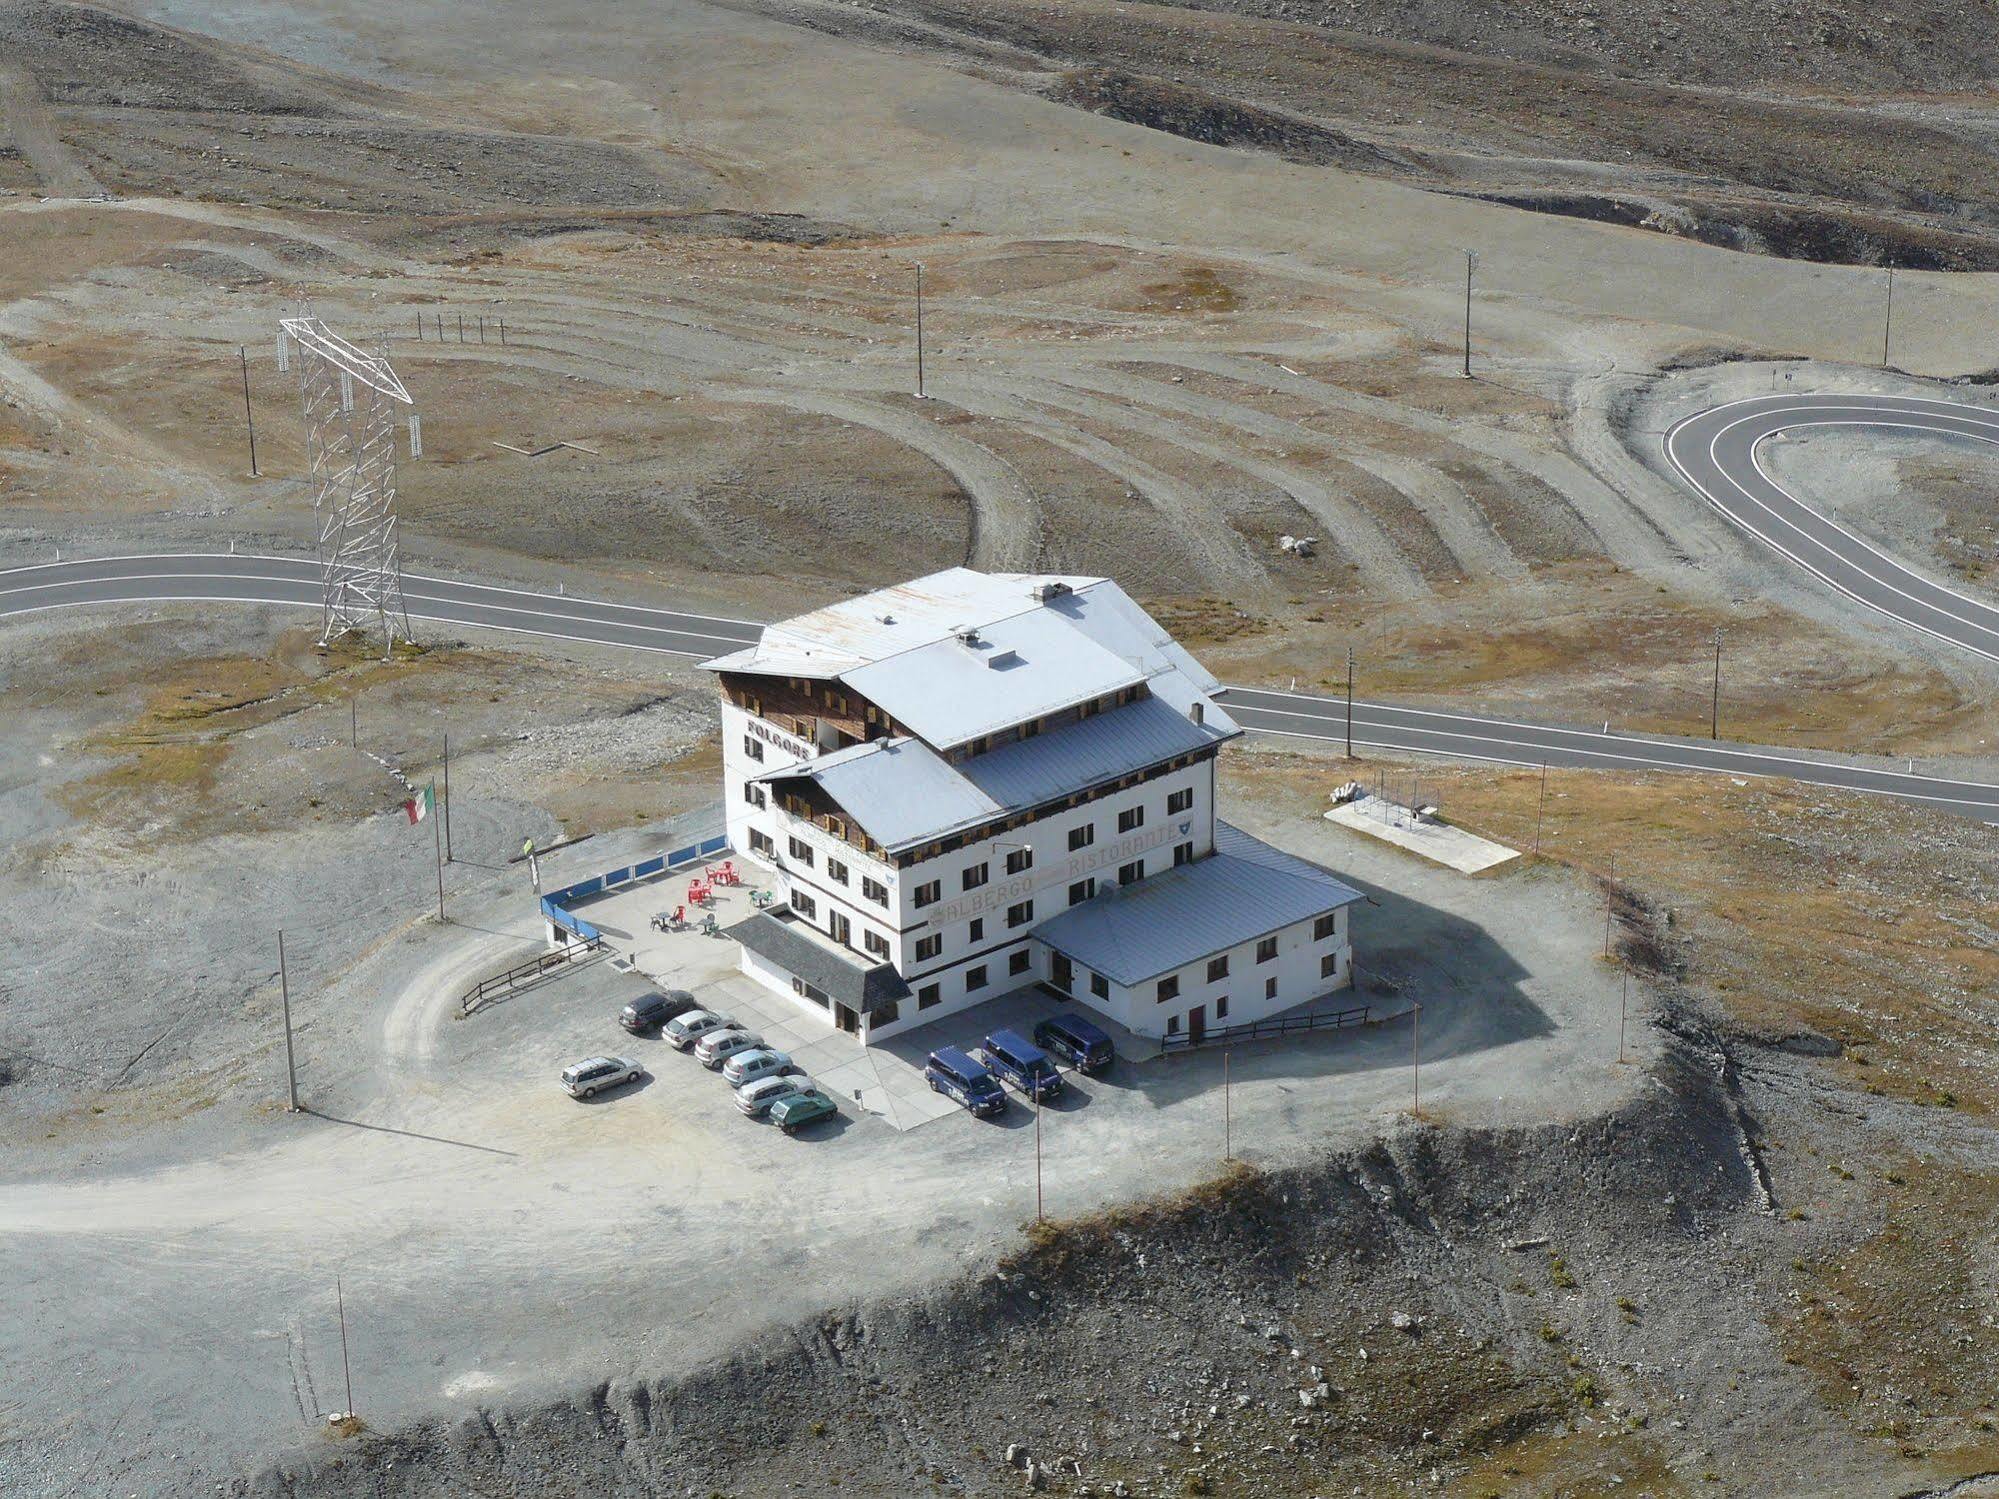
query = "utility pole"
{"x": 1471, "y": 259}
{"x": 353, "y": 721}
{"x": 919, "y": 330}
{"x": 1542, "y": 807}
{"x": 1228, "y": 1112}
{"x": 1416, "y": 1061}
{"x": 249, "y": 421}
{"x": 1623, "y": 1002}
{"x": 291, "y": 1065}
{"x": 346, "y": 1370}
{"x": 438, "y": 842}
{"x": 1714, "y": 715}
{"x": 419, "y": 326}
{"x": 1037, "y": 1156}
{"x": 1888, "y": 316}
{"x": 1349, "y": 702}
{"x": 447, "y": 799}
{"x": 1609, "y": 894}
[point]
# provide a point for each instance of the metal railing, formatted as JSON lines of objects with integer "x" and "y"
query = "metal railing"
{"x": 526, "y": 975}
{"x": 1260, "y": 1030}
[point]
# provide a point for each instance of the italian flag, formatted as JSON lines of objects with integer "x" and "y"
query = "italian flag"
{"x": 422, "y": 804}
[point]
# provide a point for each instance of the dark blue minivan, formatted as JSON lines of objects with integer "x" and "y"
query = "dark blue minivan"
{"x": 955, "y": 1075}
{"x": 1077, "y": 1042}
{"x": 1022, "y": 1063}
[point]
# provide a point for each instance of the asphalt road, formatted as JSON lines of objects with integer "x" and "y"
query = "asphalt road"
{"x": 294, "y": 581}
{"x": 1715, "y": 452}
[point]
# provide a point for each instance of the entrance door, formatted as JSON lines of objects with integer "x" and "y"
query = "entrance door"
{"x": 1061, "y": 972}
{"x": 849, "y": 1021}
{"x": 1197, "y": 1023}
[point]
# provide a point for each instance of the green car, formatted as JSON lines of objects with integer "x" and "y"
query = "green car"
{"x": 800, "y": 1109}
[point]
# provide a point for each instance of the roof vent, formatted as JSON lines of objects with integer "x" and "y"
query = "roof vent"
{"x": 1051, "y": 590}
{"x": 888, "y": 619}
{"x": 969, "y": 636}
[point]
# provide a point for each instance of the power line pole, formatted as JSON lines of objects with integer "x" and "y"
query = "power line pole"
{"x": 1609, "y": 892}
{"x": 919, "y": 330}
{"x": 1416, "y": 1061}
{"x": 1037, "y": 1156}
{"x": 1541, "y": 807}
{"x": 346, "y": 1370}
{"x": 438, "y": 842}
{"x": 1471, "y": 259}
{"x": 1228, "y": 1111}
{"x": 1623, "y": 1001}
{"x": 249, "y": 421}
{"x": 1888, "y": 316}
{"x": 1714, "y": 716}
{"x": 447, "y": 799}
{"x": 1349, "y": 702}
{"x": 291, "y": 1065}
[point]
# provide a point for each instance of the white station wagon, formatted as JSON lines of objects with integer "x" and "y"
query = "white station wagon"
{"x": 715, "y": 1048}
{"x": 756, "y": 1098}
{"x": 749, "y": 1066}
{"x": 683, "y": 1031}
{"x": 587, "y": 1078}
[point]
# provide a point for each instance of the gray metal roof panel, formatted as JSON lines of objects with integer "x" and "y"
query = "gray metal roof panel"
{"x": 778, "y": 936}
{"x": 1246, "y": 889}
{"x": 900, "y": 790}
{"x": 1102, "y": 747}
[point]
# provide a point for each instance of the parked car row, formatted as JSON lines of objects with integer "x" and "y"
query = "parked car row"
{"x": 766, "y": 1083}
{"x": 1030, "y": 1067}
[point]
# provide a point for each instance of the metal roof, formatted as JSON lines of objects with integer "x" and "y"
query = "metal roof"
{"x": 783, "y": 938}
{"x": 903, "y": 793}
{"x": 1244, "y": 890}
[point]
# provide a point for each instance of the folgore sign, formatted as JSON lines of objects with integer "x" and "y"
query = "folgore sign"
{"x": 798, "y": 749}
{"x": 1019, "y": 887}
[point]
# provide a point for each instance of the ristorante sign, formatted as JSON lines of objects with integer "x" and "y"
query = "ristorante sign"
{"x": 1023, "y": 885}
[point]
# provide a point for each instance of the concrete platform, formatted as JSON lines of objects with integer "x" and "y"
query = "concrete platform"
{"x": 1394, "y": 823}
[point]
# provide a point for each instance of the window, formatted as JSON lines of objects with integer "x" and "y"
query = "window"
{"x": 1172, "y": 1025}
{"x": 1329, "y": 966}
{"x": 1218, "y": 968}
{"x": 1020, "y": 962}
{"x": 1082, "y": 890}
{"x": 875, "y": 943}
{"x": 874, "y": 890}
{"x": 1020, "y": 914}
{"x": 1325, "y": 926}
{"x": 804, "y": 904}
{"x": 975, "y": 929}
{"x": 929, "y": 995}
{"x": 976, "y": 876}
{"x": 1082, "y": 837}
{"x": 753, "y": 747}
{"x": 1180, "y": 801}
{"x": 801, "y": 851}
{"x": 1019, "y": 859}
{"x": 754, "y": 794}
{"x": 841, "y": 928}
{"x": 1270, "y": 988}
{"x": 1129, "y": 818}
{"x": 1169, "y": 988}
{"x": 975, "y": 978}
{"x": 928, "y": 893}
{"x": 1183, "y": 853}
{"x": 836, "y": 871}
{"x": 928, "y": 947}
{"x": 760, "y": 843}
{"x": 1100, "y": 986}
{"x": 1132, "y": 873}
{"x": 1221, "y": 1007}
{"x": 1266, "y": 949}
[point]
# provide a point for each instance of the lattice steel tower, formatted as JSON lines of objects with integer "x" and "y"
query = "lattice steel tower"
{"x": 351, "y": 401}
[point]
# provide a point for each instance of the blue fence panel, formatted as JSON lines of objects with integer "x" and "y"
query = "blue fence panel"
{"x": 713, "y": 845}
{"x": 618, "y": 877}
{"x": 649, "y": 866}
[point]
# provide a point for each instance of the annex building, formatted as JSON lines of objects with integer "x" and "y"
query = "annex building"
{"x": 972, "y": 783}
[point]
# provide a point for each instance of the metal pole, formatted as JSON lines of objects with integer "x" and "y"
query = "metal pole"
{"x": 1416, "y": 1060}
{"x": 503, "y": 333}
{"x": 249, "y": 421}
{"x": 447, "y": 798}
{"x": 1470, "y": 259}
{"x": 291, "y": 1065}
{"x": 419, "y": 325}
{"x": 482, "y": 329}
{"x": 461, "y": 327}
{"x": 1228, "y": 1111}
{"x": 1609, "y": 888}
{"x": 1714, "y": 717}
{"x": 353, "y": 721}
{"x": 346, "y": 1370}
{"x": 1349, "y": 702}
{"x": 1037, "y": 1157}
{"x": 1623, "y": 1000}
{"x": 437, "y": 839}
{"x": 919, "y": 330}
{"x": 1888, "y": 316}
{"x": 1541, "y": 807}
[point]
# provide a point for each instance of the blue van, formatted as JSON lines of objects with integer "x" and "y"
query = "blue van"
{"x": 955, "y": 1075}
{"x": 1022, "y": 1063}
{"x": 1076, "y": 1041}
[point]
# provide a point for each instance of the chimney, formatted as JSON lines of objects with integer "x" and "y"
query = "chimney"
{"x": 1198, "y": 712}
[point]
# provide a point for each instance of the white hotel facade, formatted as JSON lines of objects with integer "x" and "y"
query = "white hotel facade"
{"x": 974, "y": 783}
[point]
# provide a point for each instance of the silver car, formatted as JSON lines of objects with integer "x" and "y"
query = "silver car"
{"x": 683, "y": 1031}
{"x": 595, "y": 1074}
{"x": 748, "y": 1066}
{"x": 715, "y": 1048}
{"x": 756, "y": 1098}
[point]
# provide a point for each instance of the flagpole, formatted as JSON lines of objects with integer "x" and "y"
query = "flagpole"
{"x": 437, "y": 839}
{"x": 447, "y": 799}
